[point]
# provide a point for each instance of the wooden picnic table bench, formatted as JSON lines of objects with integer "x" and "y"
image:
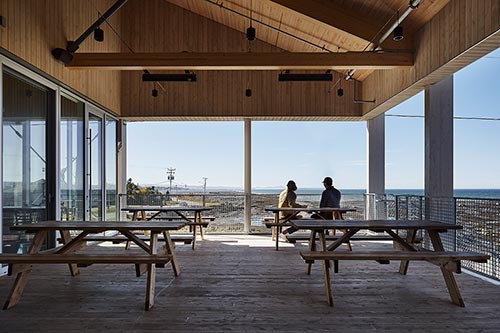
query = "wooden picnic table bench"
{"x": 278, "y": 222}
{"x": 116, "y": 239}
{"x": 139, "y": 213}
{"x": 449, "y": 262}
{"x": 21, "y": 264}
{"x": 80, "y": 259}
{"x": 293, "y": 238}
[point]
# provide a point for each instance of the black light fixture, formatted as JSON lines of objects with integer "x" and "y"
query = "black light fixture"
{"x": 340, "y": 92}
{"x": 62, "y": 55}
{"x": 169, "y": 77}
{"x": 304, "y": 77}
{"x": 154, "y": 92}
{"x": 248, "y": 92}
{"x": 250, "y": 33}
{"x": 99, "y": 35}
{"x": 250, "y": 29}
{"x": 398, "y": 31}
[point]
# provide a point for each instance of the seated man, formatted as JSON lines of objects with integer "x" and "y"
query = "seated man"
{"x": 329, "y": 198}
{"x": 288, "y": 198}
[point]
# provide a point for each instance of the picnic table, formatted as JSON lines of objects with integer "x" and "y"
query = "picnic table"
{"x": 447, "y": 261}
{"x": 20, "y": 264}
{"x": 278, "y": 223}
{"x": 139, "y": 213}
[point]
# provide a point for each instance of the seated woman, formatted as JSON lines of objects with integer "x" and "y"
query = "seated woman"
{"x": 288, "y": 198}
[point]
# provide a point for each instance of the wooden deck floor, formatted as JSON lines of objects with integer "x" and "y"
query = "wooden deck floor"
{"x": 240, "y": 283}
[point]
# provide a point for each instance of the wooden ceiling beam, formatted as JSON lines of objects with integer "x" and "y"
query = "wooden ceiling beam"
{"x": 241, "y": 61}
{"x": 333, "y": 15}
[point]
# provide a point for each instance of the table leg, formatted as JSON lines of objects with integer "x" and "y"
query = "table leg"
{"x": 277, "y": 236}
{"x": 201, "y": 227}
{"x": 169, "y": 245}
{"x": 194, "y": 235}
{"x": 66, "y": 238}
{"x": 326, "y": 270}
{"x": 134, "y": 218}
{"x": 150, "y": 289}
{"x": 312, "y": 247}
{"x": 410, "y": 239}
{"x": 451, "y": 283}
{"x": 275, "y": 229}
{"x": 22, "y": 277}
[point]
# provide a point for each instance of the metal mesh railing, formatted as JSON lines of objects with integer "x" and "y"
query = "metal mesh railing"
{"x": 480, "y": 219}
{"x": 228, "y": 208}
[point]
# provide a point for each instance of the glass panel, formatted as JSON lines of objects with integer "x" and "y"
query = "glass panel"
{"x": 95, "y": 160}
{"x": 111, "y": 169}
{"x": 24, "y": 158}
{"x": 72, "y": 159}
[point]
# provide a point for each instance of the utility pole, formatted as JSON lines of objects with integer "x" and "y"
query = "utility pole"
{"x": 204, "y": 189}
{"x": 205, "y": 184}
{"x": 170, "y": 177}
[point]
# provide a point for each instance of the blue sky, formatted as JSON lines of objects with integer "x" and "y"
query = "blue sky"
{"x": 309, "y": 151}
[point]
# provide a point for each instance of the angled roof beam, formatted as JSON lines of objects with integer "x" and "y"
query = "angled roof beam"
{"x": 333, "y": 15}
{"x": 241, "y": 61}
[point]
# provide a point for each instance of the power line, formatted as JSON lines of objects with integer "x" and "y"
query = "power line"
{"x": 456, "y": 117}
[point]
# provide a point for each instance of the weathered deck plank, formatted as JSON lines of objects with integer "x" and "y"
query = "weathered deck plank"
{"x": 239, "y": 283}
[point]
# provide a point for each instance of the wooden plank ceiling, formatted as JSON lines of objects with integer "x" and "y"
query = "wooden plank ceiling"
{"x": 319, "y": 25}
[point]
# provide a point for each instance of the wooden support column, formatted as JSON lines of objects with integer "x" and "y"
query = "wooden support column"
{"x": 439, "y": 139}
{"x": 248, "y": 175}
{"x": 375, "y": 169}
{"x": 439, "y": 152}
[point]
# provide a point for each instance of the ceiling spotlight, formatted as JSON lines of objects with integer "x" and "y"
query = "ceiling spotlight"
{"x": 250, "y": 33}
{"x": 99, "y": 35}
{"x": 154, "y": 92}
{"x": 62, "y": 55}
{"x": 398, "y": 33}
{"x": 248, "y": 92}
{"x": 340, "y": 92}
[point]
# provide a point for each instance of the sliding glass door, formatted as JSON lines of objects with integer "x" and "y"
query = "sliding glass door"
{"x": 26, "y": 193}
{"x": 71, "y": 171}
{"x": 111, "y": 169}
{"x": 95, "y": 166}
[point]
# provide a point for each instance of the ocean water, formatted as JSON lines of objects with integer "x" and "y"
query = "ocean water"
{"x": 356, "y": 194}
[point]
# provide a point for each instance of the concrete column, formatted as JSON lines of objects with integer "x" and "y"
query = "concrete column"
{"x": 375, "y": 169}
{"x": 439, "y": 139}
{"x": 248, "y": 175}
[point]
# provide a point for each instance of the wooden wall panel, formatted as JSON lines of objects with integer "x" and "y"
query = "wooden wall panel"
{"x": 35, "y": 27}
{"x": 159, "y": 26}
{"x": 461, "y": 33}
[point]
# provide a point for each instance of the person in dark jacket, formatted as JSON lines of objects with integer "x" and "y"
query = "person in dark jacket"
{"x": 329, "y": 198}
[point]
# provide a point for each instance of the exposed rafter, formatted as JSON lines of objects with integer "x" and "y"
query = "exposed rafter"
{"x": 335, "y": 16}
{"x": 241, "y": 61}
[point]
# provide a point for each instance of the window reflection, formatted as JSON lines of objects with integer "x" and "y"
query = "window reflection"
{"x": 25, "y": 111}
{"x": 72, "y": 159}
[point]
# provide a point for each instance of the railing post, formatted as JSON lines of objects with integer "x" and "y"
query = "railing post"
{"x": 397, "y": 207}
